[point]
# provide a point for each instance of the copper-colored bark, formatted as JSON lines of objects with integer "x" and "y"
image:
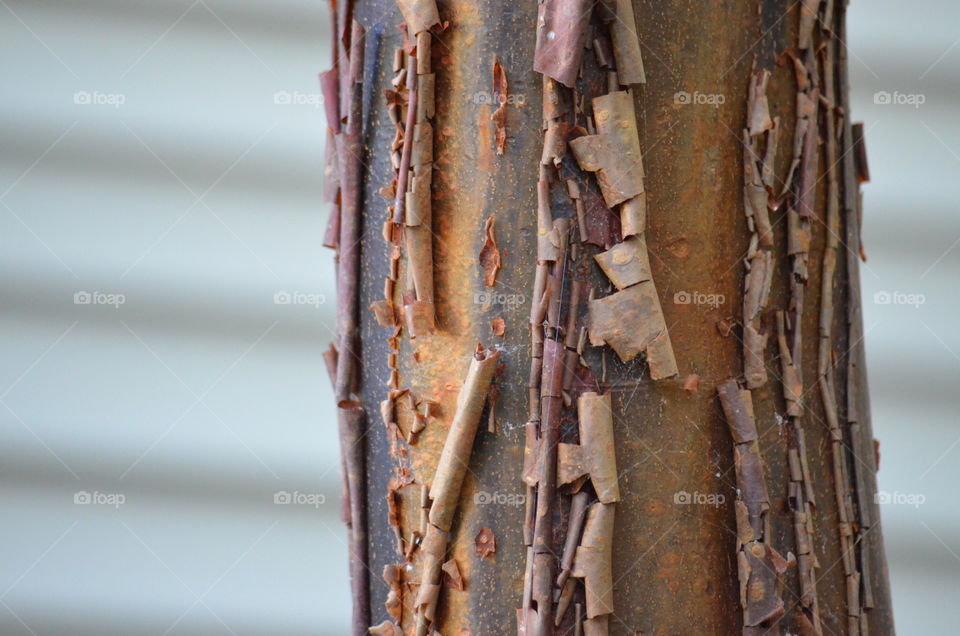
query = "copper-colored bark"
{"x": 672, "y": 564}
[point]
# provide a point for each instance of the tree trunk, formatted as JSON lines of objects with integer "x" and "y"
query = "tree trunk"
{"x": 752, "y": 236}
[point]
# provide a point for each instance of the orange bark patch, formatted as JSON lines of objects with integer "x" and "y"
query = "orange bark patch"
{"x": 490, "y": 254}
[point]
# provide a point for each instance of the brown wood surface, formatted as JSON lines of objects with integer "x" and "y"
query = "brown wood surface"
{"x": 674, "y": 565}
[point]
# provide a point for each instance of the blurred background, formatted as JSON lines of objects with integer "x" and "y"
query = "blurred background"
{"x": 168, "y": 457}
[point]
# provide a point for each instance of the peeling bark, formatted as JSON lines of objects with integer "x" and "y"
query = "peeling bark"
{"x": 500, "y": 97}
{"x": 576, "y": 426}
{"x": 447, "y": 481}
{"x": 759, "y": 565}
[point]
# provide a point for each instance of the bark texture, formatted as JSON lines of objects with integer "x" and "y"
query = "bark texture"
{"x": 717, "y": 206}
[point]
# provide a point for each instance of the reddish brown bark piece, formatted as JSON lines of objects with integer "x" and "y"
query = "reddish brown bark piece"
{"x": 594, "y": 559}
{"x": 761, "y": 565}
{"x": 599, "y": 225}
{"x": 426, "y": 99}
{"x": 384, "y": 313}
{"x": 409, "y": 138}
{"x": 595, "y": 455}
{"x": 614, "y": 152}
{"x": 626, "y": 263}
{"x": 498, "y": 327}
{"x": 633, "y": 215}
{"x": 626, "y": 44}
{"x": 725, "y": 326}
{"x": 500, "y": 97}
{"x": 631, "y": 322}
{"x": 330, "y": 361}
{"x": 485, "y": 542}
{"x": 422, "y": 152}
{"x": 756, "y": 293}
{"x": 802, "y": 189}
{"x": 448, "y": 479}
{"x": 548, "y": 235}
{"x": 349, "y": 152}
{"x": 860, "y": 153}
{"x": 807, "y": 112}
{"x": 419, "y": 316}
{"x": 420, "y": 15}
{"x": 563, "y": 603}
{"x": 578, "y": 514}
{"x": 751, "y": 482}
{"x": 351, "y": 427}
{"x": 433, "y": 549}
{"x": 808, "y": 17}
{"x": 758, "y": 163}
{"x": 414, "y": 163}
{"x": 792, "y": 384}
{"x": 418, "y": 201}
{"x": 692, "y": 383}
{"x": 596, "y": 626}
{"x": 331, "y": 236}
{"x": 758, "y": 114}
{"x": 561, "y": 34}
{"x": 490, "y": 254}
{"x": 392, "y": 575}
{"x": 738, "y": 410}
{"x": 445, "y": 489}
{"x": 330, "y": 87}
{"x": 386, "y": 628}
{"x": 454, "y": 577}
{"x": 350, "y": 416}
{"x": 755, "y": 196}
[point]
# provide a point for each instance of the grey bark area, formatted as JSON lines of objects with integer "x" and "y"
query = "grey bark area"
{"x": 674, "y": 563}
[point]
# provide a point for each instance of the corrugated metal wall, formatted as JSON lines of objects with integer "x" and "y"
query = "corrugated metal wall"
{"x": 171, "y": 152}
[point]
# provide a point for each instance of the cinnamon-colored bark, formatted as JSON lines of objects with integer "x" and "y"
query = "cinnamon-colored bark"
{"x": 575, "y": 230}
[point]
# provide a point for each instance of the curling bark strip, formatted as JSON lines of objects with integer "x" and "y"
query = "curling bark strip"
{"x": 825, "y": 375}
{"x": 760, "y": 137}
{"x": 342, "y": 86}
{"x": 448, "y": 480}
{"x": 409, "y": 226}
{"x": 861, "y": 446}
{"x": 800, "y": 193}
{"x": 759, "y": 565}
{"x": 411, "y": 216}
{"x": 854, "y": 455}
{"x": 696, "y": 176}
{"x": 414, "y": 204}
{"x": 631, "y": 320}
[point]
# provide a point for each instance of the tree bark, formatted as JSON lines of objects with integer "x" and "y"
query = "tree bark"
{"x": 676, "y": 535}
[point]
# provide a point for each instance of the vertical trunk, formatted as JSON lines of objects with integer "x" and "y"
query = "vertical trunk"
{"x": 750, "y": 222}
